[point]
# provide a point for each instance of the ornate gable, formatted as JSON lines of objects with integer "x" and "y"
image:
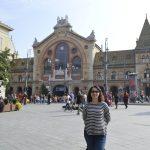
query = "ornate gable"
{"x": 144, "y": 40}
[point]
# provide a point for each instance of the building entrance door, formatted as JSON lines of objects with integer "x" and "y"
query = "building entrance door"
{"x": 60, "y": 90}
{"x": 147, "y": 91}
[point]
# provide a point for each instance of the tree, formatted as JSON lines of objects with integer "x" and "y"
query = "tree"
{"x": 5, "y": 66}
{"x": 44, "y": 90}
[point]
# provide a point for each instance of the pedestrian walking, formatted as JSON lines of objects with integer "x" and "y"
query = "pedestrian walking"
{"x": 125, "y": 99}
{"x": 96, "y": 117}
{"x": 79, "y": 100}
{"x": 116, "y": 100}
{"x": 68, "y": 102}
{"x": 49, "y": 97}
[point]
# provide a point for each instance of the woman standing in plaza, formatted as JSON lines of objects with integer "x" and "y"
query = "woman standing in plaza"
{"x": 96, "y": 117}
{"x": 116, "y": 100}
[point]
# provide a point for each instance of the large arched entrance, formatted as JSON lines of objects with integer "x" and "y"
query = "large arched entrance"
{"x": 60, "y": 90}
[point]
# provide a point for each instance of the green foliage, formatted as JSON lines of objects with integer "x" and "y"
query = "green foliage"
{"x": 7, "y": 89}
{"x": 5, "y": 66}
{"x": 44, "y": 90}
{"x": 14, "y": 101}
{"x": 5, "y": 101}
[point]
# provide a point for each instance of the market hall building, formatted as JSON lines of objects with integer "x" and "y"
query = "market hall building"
{"x": 62, "y": 61}
{"x": 66, "y": 60}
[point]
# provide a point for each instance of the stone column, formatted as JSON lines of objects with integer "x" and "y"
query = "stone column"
{"x": 53, "y": 71}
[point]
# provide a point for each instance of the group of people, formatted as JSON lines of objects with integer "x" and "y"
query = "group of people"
{"x": 95, "y": 112}
{"x": 75, "y": 101}
{"x": 125, "y": 99}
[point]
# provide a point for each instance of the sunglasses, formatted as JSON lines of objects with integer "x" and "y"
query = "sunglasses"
{"x": 94, "y": 91}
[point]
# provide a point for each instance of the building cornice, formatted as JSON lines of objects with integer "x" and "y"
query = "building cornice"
{"x": 6, "y": 26}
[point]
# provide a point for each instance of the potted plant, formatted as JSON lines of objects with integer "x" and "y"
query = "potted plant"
{"x": 13, "y": 105}
{"x": 6, "y": 105}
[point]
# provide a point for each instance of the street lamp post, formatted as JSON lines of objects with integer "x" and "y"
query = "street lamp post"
{"x": 106, "y": 65}
{"x": 49, "y": 77}
{"x": 52, "y": 74}
{"x": 124, "y": 66}
{"x": 26, "y": 81}
{"x": 27, "y": 69}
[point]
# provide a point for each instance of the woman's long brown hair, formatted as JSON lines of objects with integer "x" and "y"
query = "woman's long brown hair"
{"x": 100, "y": 97}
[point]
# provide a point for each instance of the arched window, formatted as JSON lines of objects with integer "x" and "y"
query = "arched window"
{"x": 147, "y": 59}
{"x": 147, "y": 73}
{"x": 62, "y": 56}
{"x": 127, "y": 74}
{"x": 99, "y": 76}
{"x": 29, "y": 78}
{"x": 19, "y": 78}
{"x": 76, "y": 68}
{"x": 143, "y": 58}
{"x": 114, "y": 58}
{"x": 76, "y": 65}
{"x": 113, "y": 75}
{"x": 47, "y": 66}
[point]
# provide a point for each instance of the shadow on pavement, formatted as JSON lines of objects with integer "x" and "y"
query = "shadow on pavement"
{"x": 143, "y": 114}
{"x": 142, "y": 124}
{"x": 63, "y": 115}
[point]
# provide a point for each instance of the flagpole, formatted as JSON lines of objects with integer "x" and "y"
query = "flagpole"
{"x": 106, "y": 65}
{"x": 27, "y": 69}
{"x": 26, "y": 81}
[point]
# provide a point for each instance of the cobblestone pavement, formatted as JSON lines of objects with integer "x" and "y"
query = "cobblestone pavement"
{"x": 48, "y": 127}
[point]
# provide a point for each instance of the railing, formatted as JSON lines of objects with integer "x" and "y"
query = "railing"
{"x": 21, "y": 70}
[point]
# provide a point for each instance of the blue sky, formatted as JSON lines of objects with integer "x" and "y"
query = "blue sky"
{"x": 120, "y": 21}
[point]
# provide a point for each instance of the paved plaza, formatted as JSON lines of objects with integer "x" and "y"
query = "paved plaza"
{"x": 48, "y": 127}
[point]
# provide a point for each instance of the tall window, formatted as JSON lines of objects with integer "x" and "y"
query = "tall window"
{"x": 47, "y": 66}
{"x": 61, "y": 56}
{"x": 147, "y": 73}
{"x": 29, "y": 78}
{"x": 126, "y": 76}
{"x": 76, "y": 68}
{"x": 99, "y": 76}
{"x": 143, "y": 58}
{"x": 147, "y": 59}
{"x": 19, "y": 78}
{"x": 113, "y": 75}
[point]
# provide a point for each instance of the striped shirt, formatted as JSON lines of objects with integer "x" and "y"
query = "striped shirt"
{"x": 96, "y": 117}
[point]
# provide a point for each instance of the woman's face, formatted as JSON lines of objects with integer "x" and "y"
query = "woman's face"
{"x": 95, "y": 93}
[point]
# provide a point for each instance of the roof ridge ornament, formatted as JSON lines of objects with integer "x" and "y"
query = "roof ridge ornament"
{"x": 91, "y": 37}
{"x": 62, "y": 22}
{"x": 35, "y": 42}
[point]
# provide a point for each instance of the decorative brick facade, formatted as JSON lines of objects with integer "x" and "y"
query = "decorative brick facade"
{"x": 67, "y": 58}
